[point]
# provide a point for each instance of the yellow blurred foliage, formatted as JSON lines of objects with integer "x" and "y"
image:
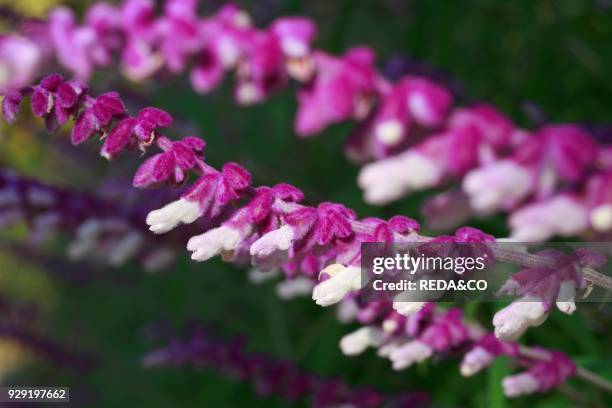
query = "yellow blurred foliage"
{"x": 25, "y": 281}
{"x": 12, "y": 357}
{"x": 31, "y": 8}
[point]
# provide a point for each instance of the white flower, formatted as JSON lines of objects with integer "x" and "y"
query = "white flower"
{"x": 293, "y": 288}
{"x": 492, "y": 187}
{"x": 213, "y": 242}
{"x": 560, "y": 215}
{"x": 387, "y": 180}
{"x": 293, "y": 47}
{"x": 358, "y": 341}
{"x": 512, "y": 321}
{"x": 389, "y": 132}
{"x": 256, "y": 276}
{"x": 85, "y": 241}
{"x": 565, "y": 297}
{"x": 601, "y": 218}
{"x": 342, "y": 280}
{"x": 520, "y": 384}
{"x": 125, "y": 248}
{"x": 386, "y": 349}
{"x": 277, "y": 240}
{"x": 173, "y": 214}
{"x": 410, "y": 353}
{"x": 407, "y": 308}
{"x": 475, "y": 360}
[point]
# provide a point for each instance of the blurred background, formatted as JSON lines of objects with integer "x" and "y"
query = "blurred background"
{"x": 536, "y": 61}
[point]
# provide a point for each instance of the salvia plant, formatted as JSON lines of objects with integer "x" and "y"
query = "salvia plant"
{"x": 539, "y": 175}
{"x": 410, "y": 132}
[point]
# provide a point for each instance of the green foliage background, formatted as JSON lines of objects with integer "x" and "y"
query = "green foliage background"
{"x": 554, "y": 53}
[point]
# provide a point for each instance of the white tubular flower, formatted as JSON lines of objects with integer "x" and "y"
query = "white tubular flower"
{"x": 410, "y": 353}
{"x": 601, "y": 218}
{"x": 293, "y": 288}
{"x": 565, "y": 297}
{"x": 342, "y": 281}
{"x": 499, "y": 184}
{"x": 85, "y": 241}
{"x": 408, "y": 308}
{"x": 386, "y": 349}
{"x": 256, "y": 276}
{"x": 358, "y": 341}
{"x": 213, "y": 242}
{"x": 475, "y": 360}
{"x": 173, "y": 214}
{"x": 125, "y": 248}
{"x": 520, "y": 384}
{"x": 277, "y": 240}
{"x": 387, "y": 180}
{"x": 561, "y": 215}
{"x": 512, "y": 321}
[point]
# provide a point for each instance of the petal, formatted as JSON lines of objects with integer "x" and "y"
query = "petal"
{"x": 288, "y": 192}
{"x": 118, "y": 138}
{"x": 83, "y": 128}
{"x": 236, "y": 176}
{"x": 111, "y": 102}
{"x": 51, "y": 82}
{"x": 156, "y": 169}
{"x": 185, "y": 157}
{"x": 66, "y": 95}
{"x": 194, "y": 143}
{"x": 42, "y": 102}
{"x": 159, "y": 117}
{"x": 260, "y": 206}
